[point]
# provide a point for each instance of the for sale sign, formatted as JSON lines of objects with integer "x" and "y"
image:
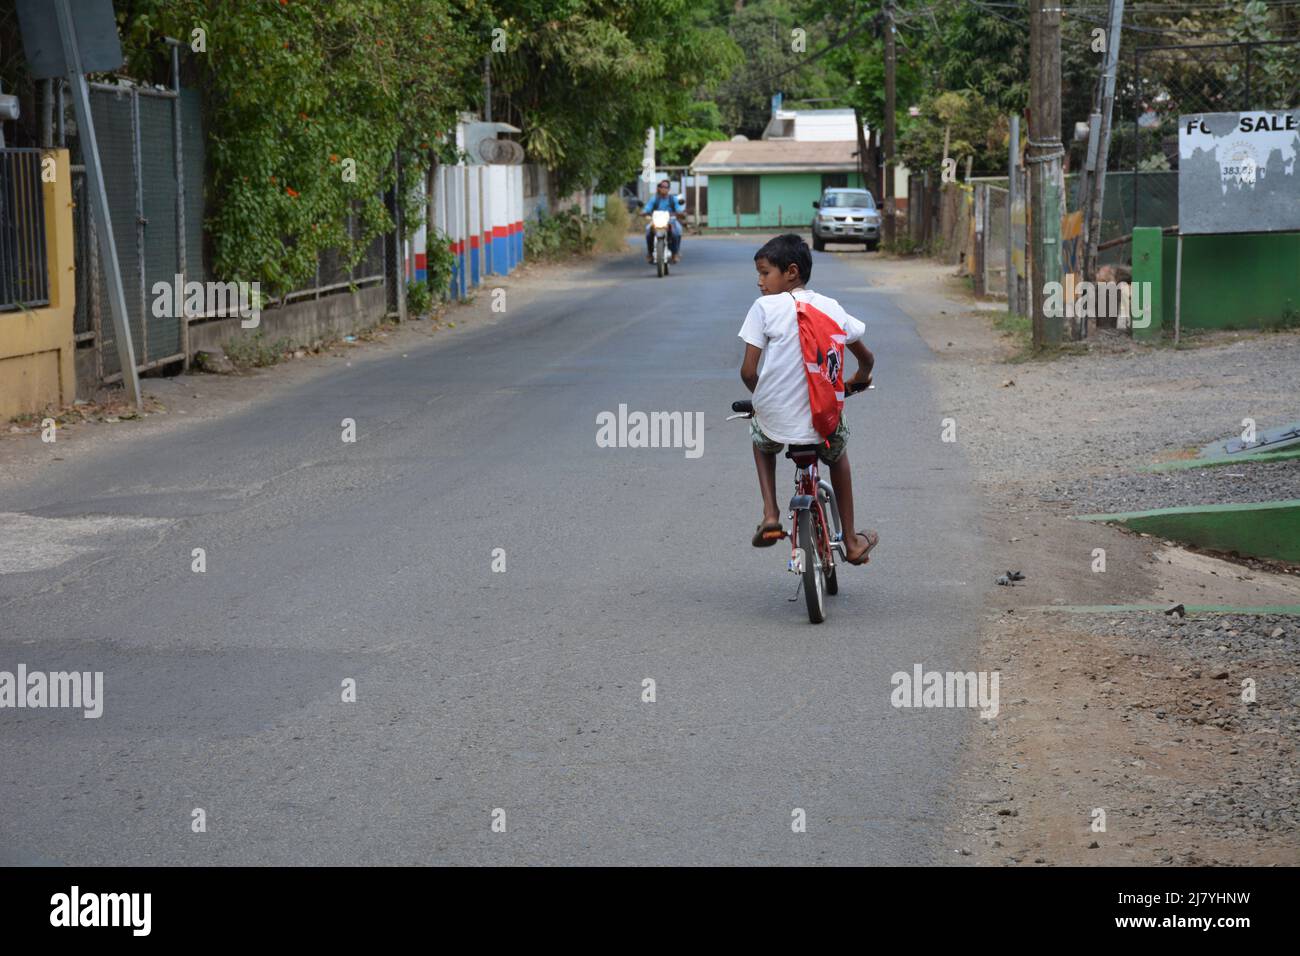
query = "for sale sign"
{"x": 1237, "y": 172}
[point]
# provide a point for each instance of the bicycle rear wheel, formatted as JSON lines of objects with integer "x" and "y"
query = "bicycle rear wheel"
{"x": 814, "y": 574}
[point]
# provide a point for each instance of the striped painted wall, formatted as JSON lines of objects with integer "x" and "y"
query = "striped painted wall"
{"x": 480, "y": 209}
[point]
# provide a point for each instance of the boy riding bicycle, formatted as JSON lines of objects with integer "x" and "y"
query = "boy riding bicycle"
{"x": 782, "y": 410}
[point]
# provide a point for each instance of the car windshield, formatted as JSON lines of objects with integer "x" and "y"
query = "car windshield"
{"x": 844, "y": 200}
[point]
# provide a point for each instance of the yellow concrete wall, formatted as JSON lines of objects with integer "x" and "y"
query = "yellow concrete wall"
{"x": 36, "y": 347}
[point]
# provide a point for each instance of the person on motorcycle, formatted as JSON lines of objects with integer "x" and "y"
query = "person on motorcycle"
{"x": 677, "y": 207}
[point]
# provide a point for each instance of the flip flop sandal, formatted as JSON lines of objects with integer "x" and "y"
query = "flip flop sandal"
{"x": 873, "y": 539}
{"x": 767, "y": 535}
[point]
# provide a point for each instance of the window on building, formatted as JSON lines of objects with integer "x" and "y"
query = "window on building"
{"x": 744, "y": 195}
{"x": 835, "y": 180}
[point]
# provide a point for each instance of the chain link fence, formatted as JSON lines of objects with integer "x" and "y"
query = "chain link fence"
{"x": 154, "y": 186}
{"x": 333, "y": 274}
{"x": 156, "y": 199}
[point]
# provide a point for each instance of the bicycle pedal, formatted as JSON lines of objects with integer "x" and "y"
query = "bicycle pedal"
{"x": 797, "y": 562}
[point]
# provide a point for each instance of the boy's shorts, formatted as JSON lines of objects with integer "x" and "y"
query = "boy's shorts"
{"x": 830, "y": 454}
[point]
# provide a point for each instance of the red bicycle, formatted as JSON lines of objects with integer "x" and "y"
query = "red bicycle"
{"x": 814, "y": 546}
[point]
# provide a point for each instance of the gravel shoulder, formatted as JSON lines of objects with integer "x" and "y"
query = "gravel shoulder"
{"x": 1138, "y": 715}
{"x": 1242, "y": 482}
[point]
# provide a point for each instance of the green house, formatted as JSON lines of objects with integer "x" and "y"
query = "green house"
{"x": 772, "y": 183}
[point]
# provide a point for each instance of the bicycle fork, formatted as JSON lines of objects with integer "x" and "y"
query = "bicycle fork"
{"x": 826, "y": 494}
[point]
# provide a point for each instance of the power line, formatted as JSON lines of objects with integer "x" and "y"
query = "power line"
{"x": 820, "y": 53}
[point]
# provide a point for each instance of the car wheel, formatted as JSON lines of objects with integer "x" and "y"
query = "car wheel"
{"x": 819, "y": 244}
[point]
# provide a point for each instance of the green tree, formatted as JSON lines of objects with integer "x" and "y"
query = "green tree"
{"x": 584, "y": 80}
{"x": 683, "y": 140}
{"x": 973, "y": 127}
{"x": 764, "y": 30}
{"x": 305, "y": 106}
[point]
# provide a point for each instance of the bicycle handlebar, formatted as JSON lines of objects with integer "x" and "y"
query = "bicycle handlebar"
{"x": 745, "y": 407}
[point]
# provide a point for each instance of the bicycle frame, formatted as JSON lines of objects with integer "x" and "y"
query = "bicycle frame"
{"x": 815, "y": 494}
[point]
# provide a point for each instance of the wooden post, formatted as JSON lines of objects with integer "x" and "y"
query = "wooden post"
{"x": 889, "y": 122}
{"x": 1092, "y": 213}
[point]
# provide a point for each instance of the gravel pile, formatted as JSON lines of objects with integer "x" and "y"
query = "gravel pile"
{"x": 1240, "y": 483}
{"x": 1113, "y": 412}
{"x": 1206, "y": 633}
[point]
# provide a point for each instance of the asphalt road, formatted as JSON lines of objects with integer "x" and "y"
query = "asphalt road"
{"x": 479, "y": 689}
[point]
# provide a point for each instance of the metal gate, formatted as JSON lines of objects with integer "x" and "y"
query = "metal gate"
{"x": 152, "y": 151}
{"x": 24, "y": 278}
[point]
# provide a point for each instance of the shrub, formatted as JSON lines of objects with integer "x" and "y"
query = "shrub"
{"x": 419, "y": 300}
{"x": 563, "y": 234}
{"x": 610, "y": 233}
{"x": 253, "y": 351}
{"x": 439, "y": 261}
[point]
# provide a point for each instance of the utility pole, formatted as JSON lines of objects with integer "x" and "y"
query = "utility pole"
{"x": 889, "y": 122}
{"x": 1044, "y": 162}
{"x": 1100, "y": 152}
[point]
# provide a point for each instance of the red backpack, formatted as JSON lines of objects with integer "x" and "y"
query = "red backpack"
{"x": 822, "y": 341}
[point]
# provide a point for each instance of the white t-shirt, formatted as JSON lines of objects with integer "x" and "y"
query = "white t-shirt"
{"x": 781, "y": 399}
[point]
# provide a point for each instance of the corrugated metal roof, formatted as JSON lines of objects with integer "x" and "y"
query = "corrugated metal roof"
{"x": 777, "y": 156}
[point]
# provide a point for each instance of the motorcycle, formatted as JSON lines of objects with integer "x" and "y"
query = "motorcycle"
{"x": 660, "y": 221}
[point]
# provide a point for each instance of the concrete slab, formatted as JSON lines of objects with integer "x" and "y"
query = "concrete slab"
{"x": 1268, "y": 529}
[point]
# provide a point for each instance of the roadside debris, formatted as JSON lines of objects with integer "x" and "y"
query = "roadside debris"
{"x": 214, "y": 361}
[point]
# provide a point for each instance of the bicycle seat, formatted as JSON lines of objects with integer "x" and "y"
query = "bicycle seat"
{"x": 802, "y": 454}
{"x": 745, "y": 407}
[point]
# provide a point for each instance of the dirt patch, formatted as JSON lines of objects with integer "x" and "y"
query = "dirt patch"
{"x": 1134, "y": 720}
{"x": 1135, "y": 733}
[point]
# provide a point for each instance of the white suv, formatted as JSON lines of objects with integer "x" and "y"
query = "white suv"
{"x": 846, "y": 215}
